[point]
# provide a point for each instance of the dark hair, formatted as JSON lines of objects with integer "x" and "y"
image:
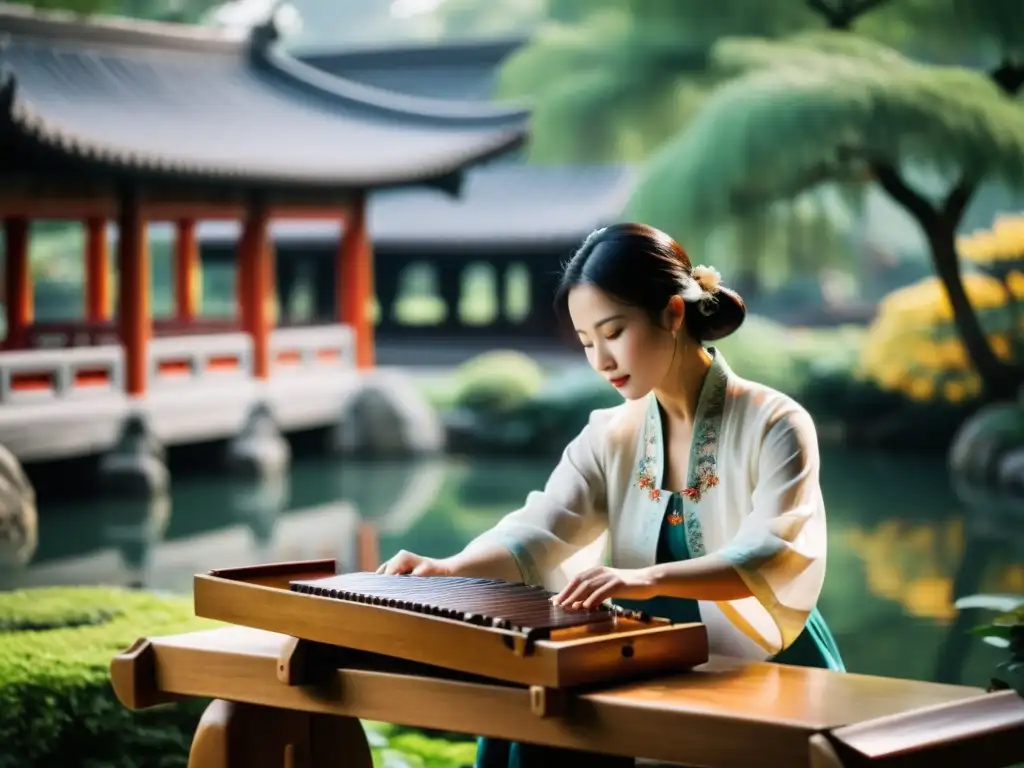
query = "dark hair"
{"x": 643, "y": 267}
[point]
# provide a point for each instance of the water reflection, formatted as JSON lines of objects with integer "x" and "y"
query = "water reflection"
{"x": 904, "y": 542}
{"x": 994, "y": 534}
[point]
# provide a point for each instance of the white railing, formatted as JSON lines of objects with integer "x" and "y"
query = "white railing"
{"x": 41, "y": 375}
{"x": 311, "y": 349}
{"x": 184, "y": 360}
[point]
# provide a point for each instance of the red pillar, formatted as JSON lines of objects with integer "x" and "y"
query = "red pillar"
{"x": 186, "y": 271}
{"x": 97, "y": 270}
{"x": 133, "y": 292}
{"x": 255, "y": 265}
{"x": 17, "y": 282}
{"x": 355, "y": 281}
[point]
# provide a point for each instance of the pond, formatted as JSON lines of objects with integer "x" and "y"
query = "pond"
{"x": 903, "y": 542}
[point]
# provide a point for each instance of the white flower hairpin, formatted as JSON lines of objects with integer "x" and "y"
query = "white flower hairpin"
{"x": 707, "y": 277}
{"x": 710, "y": 280}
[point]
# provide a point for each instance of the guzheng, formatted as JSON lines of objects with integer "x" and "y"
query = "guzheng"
{"x": 520, "y": 608}
{"x": 491, "y": 629}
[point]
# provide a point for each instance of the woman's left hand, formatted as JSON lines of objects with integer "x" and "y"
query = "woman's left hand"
{"x": 592, "y": 587}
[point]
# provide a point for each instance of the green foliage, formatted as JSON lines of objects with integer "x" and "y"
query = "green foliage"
{"x": 497, "y": 382}
{"x": 23, "y": 611}
{"x": 624, "y": 77}
{"x": 839, "y": 102}
{"x": 784, "y": 358}
{"x": 417, "y": 750}
{"x": 590, "y": 86}
{"x": 57, "y": 707}
{"x": 56, "y": 704}
{"x": 1009, "y": 611}
{"x": 739, "y": 55}
{"x": 1004, "y": 630}
{"x": 614, "y": 80}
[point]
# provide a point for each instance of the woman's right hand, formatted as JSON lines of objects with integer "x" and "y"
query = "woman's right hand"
{"x": 409, "y": 563}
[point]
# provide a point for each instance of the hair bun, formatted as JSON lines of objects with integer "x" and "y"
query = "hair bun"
{"x": 723, "y": 314}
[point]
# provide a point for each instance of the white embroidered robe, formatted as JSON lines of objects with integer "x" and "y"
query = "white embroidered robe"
{"x": 759, "y": 505}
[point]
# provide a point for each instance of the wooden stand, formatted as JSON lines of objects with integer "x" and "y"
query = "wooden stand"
{"x": 236, "y": 735}
{"x": 311, "y": 664}
{"x": 725, "y": 714}
{"x": 304, "y": 662}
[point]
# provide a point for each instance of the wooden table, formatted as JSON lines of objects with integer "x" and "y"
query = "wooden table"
{"x": 725, "y": 714}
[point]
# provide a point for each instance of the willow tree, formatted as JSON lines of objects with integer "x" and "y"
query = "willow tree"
{"x": 831, "y": 105}
{"x": 614, "y": 79}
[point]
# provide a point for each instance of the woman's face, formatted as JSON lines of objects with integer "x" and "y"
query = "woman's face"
{"x": 622, "y": 344}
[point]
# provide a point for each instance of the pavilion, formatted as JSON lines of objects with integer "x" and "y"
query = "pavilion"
{"x": 128, "y": 122}
{"x": 512, "y": 215}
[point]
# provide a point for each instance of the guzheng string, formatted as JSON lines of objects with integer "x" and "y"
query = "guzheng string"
{"x": 478, "y": 601}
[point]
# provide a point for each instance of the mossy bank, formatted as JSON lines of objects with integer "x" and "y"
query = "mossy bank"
{"x": 57, "y": 707}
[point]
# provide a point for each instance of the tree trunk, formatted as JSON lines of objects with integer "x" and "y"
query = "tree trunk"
{"x": 1000, "y": 380}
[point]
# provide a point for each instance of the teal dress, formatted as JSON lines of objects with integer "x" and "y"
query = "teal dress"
{"x": 815, "y": 647}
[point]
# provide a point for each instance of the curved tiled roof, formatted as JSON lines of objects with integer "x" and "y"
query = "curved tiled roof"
{"x": 138, "y": 98}
{"x": 457, "y": 70}
{"x": 507, "y": 204}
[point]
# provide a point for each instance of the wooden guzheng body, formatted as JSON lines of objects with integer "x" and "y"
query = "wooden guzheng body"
{"x": 509, "y": 632}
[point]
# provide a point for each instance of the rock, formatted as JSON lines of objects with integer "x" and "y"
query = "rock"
{"x": 985, "y": 441}
{"x": 994, "y": 515}
{"x": 135, "y": 467}
{"x": 1010, "y": 472}
{"x": 388, "y": 416}
{"x": 19, "y": 521}
{"x": 259, "y": 450}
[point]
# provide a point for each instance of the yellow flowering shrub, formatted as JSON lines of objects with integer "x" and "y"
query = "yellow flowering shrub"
{"x": 997, "y": 250}
{"x": 912, "y": 383}
{"x": 913, "y": 347}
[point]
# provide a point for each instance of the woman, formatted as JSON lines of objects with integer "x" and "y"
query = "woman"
{"x": 696, "y": 499}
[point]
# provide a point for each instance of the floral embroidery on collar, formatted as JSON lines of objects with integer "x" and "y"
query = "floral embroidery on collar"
{"x": 647, "y": 476}
{"x": 703, "y": 475}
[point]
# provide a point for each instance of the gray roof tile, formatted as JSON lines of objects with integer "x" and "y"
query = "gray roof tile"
{"x": 142, "y": 97}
